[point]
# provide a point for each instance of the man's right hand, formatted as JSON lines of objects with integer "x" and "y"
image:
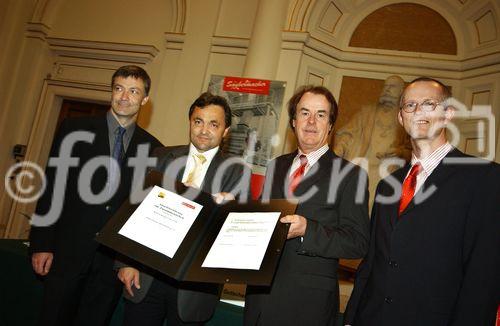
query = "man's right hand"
{"x": 41, "y": 262}
{"x": 129, "y": 276}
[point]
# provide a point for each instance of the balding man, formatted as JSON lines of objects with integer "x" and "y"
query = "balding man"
{"x": 434, "y": 247}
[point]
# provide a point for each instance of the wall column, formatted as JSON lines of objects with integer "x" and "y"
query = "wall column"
{"x": 265, "y": 44}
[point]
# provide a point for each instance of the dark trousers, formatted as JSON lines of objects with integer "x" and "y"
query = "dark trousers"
{"x": 160, "y": 303}
{"x": 84, "y": 298}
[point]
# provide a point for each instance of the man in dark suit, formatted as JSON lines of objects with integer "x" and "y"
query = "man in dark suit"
{"x": 152, "y": 297}
{"x": 435, "y": 245}
{"x": 80, "y": 285}
{"x": 331, "y": 219}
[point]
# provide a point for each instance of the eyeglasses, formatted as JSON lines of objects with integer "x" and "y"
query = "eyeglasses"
{"x": 426, "y": 106}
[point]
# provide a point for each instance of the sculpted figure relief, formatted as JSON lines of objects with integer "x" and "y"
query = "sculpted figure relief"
{"x": 375, "y": 134}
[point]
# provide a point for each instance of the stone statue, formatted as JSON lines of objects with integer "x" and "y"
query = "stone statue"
{"x": 375, "y": 134}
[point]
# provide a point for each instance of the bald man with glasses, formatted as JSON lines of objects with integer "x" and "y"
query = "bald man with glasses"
{"x": 434, "y": 247}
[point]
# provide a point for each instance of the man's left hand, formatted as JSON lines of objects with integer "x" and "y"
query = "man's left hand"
{"x": 298, "y": 225}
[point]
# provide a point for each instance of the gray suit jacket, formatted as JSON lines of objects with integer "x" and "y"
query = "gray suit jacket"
{"x": 196, "y": 302}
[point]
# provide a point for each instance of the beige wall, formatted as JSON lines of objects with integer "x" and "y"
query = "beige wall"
{"x": 53, "y": 49}
{"x": 125, "y": 21}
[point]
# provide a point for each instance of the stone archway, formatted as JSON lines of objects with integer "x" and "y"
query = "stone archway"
{"x": 405, "y": 27}
{"x": 334, "y": 22}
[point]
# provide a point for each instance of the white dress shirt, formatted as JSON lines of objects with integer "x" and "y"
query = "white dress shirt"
{"x": 429, "y": 163}
{"x": 312, "y": 158}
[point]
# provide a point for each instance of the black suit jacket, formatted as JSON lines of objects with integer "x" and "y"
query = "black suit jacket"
{"x": 71, "y": 238}
{"x": 196, "y": 302}
{"x": 305, "y": 288}
{"x": 437, "y": 264}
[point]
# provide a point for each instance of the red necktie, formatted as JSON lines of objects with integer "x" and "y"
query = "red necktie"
{"x": 409, "y": 187}
{"x": 297, "y": 175}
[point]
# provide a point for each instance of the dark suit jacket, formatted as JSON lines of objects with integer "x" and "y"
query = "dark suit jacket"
{"x": 71, "y": 238}
{"x": 195, "y": 301}
{"x": 438, "y": 264}
{"x": 305, "y": 288}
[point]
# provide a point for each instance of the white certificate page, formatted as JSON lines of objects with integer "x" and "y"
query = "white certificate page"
{"x": 242, "y": 241}
{"x": 161, "y": 221}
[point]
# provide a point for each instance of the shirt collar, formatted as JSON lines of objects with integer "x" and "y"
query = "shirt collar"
{"x": 314, "y": 156}
{"x": 113, "y": 125}
{"x": 209, "y": 155}
{"x": 430, "y": 162}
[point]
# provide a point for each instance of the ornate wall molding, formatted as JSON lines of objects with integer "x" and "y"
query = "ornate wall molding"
{"x": 111, "y": 51}
{"x": 475, "y": 24}
{"x": 229, "y": 45}
{"x": 298, "y": 15}
{"x": 37, "y": 31}
{"x": 387, "y": 60}
{"x": 174, "y": 41}
{"x": 178, "y": 16}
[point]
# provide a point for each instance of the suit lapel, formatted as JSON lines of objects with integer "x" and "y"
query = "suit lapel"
{"x": 281, "y": 175}
{"x": 134, "y": 141}
{"x": 101, "y": 140}
{"x": 167, "y": 155}
{"x": 394, "y": 208}
{"x": 212, "y": 169}
{"x": 181, "y": 152}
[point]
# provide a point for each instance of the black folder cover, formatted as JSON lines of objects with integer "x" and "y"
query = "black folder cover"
{"x": 187, "y": 261}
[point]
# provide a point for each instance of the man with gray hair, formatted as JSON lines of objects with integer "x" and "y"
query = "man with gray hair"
{"x": 330, "y": 222}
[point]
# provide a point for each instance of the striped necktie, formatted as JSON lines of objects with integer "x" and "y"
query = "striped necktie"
{"x": 297, "y": 175}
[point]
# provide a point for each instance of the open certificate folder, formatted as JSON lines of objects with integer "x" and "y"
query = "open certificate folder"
{"x": 197, "y": 240}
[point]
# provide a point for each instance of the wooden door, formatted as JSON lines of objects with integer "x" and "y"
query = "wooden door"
{"x": 73, "y": 109}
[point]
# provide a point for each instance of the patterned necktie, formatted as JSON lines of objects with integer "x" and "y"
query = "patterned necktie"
{"x": 409, "y": 186}
{"x": 118, "y": 148}
{"x": 193, "y": 177}
{"x": 297, "y": 175}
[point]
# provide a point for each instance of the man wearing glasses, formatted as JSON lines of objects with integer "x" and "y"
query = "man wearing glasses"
{"x": 434, "y": 247}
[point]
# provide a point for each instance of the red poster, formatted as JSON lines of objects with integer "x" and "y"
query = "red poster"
{"x": 256, "y": 106}
{"x": 246, "y": 85}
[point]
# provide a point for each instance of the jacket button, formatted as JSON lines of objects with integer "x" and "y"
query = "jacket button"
{"x": 388, "y": 300}
{"x": 107, "y": 208}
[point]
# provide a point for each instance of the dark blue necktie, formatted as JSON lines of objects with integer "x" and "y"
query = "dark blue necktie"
{"x": 118, "y": 155}
{"x": 118, "y": 148}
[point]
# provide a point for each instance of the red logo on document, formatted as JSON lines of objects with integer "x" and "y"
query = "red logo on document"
{"x": 188, "y": 205}
{"x": 246, "y": 85}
